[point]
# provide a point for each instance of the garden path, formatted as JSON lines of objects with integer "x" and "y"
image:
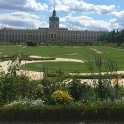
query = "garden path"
{"x": 32, "y": 74}
{"x": 97, "y": 51}
{"x": 39, "y": 75}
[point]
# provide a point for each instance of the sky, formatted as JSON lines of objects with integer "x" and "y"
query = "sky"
{"x": 73, "y": 14}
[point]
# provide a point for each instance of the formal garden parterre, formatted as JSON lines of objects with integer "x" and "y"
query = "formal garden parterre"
{"x": 54, "y": 97}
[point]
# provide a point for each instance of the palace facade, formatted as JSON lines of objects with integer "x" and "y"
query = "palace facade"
{"x": 52, "y": 34}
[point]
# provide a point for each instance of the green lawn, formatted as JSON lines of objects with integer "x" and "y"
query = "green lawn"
{"x": 55, "y": 66}
{"x": 79, "y": 52}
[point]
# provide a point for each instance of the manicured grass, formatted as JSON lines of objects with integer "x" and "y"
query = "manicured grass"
{"x": 76, "y": 52}
{"x": 55, "y": 66}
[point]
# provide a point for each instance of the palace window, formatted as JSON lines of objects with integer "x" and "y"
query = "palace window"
{"x": 51, "y": 35}
{"x": 55, "y": 35}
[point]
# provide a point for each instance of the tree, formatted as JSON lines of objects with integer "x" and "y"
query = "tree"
{"x": 31, "y": 43}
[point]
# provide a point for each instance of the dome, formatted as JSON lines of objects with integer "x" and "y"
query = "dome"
{"x": 54, "y": 17}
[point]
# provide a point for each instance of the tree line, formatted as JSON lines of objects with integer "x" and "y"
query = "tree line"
{"x": 114, "y": 36}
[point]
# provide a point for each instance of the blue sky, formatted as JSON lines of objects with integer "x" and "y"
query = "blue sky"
{"x": 74, "y": 14}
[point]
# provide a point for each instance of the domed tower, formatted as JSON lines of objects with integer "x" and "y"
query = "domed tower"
{"x": 54, "y": 21}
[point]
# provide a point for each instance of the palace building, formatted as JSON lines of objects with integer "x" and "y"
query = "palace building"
{"x": 52, "y": 34}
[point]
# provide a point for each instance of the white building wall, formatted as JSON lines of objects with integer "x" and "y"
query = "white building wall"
{"x": 45, "y": 35}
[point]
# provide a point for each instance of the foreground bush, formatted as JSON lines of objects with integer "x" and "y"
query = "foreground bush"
{"x": 25, "y": 104}
{"x": 61, "y": 97}
{"x": 100, "y": 110}
{"x": 81, "y": 91}
{"x": 13, "y": 87}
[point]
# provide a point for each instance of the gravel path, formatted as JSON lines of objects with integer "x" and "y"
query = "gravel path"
{"x": 97, "y": 51}
{"x": 39, "y": 75}
{"x": 32, "y": 74}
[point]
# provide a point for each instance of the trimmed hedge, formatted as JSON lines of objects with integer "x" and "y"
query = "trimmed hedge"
{"x": 26, "y": 58}
{"x": 31, "y": 43}
{"x": 66, "y": 113}
{"x": 94, "y": 76}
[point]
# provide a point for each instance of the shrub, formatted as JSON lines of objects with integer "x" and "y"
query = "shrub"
{"x": 25, "y": 104}
{"x": 31, "y": 43}
{"x": 13, "y": 87}
{"x": 75, "y": 89}
{"x": 51, "y": 84}
{"x": 25, "y": 57}
{"x": 104, "y": 90}
{"x": 7, "y": 88}
{"x": 61, "y": 97}
{"x": 95, "y": 111}
{"x": 81, "y": 91}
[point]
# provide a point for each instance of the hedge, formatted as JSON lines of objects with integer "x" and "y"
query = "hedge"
{"x": 26, "y": 58}
{"x": 64, "y": 113}
{"x": 93, "y": 76}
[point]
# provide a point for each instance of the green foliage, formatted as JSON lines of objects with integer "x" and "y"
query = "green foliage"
{"x": 82, "y": 53}
{"x": 48, "y": 87}
{"x": 55, "y": 88}
{"x": 7, "y": 88}
{"x": 31, "y": 43}
{"x": 61, "y": 97}
{"x": 98, "y": 63}
{"x": 75, "y": 88}
{"x": 76, "y": 112}
{"x": 104, "y": 89}
{"x": 111, "y": 66}
{"x": 13, "y": 87}
{"x": 113, "y": 37}
{"x": 51, "y": 84}
{"x": 24, "y": 57}
{"x": 25, "y": 104}
{"x": 56, "y": 66}
{"x": 30, "y": 99}
{"x": 81, "y": 91}
{"x": 90, "y": 66}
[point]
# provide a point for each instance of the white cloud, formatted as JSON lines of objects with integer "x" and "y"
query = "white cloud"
{"x": 21, "y": 20}
{"x": 119, "y": 14}
{"x": 118, "y": 18}
{"x": 75, "y": 8}
{"x": 104, "y": 8}
{"x": 25, "y": 5}
{"x": 80, "y": 5}
{"x": 19, "y": 14}
{"x": 86, "y": 23}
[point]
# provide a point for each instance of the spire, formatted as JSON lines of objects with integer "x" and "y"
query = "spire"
{"x": 54, "y": 6}
{"x": 54, "y": 17}
{"x": 54, "y": 11}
